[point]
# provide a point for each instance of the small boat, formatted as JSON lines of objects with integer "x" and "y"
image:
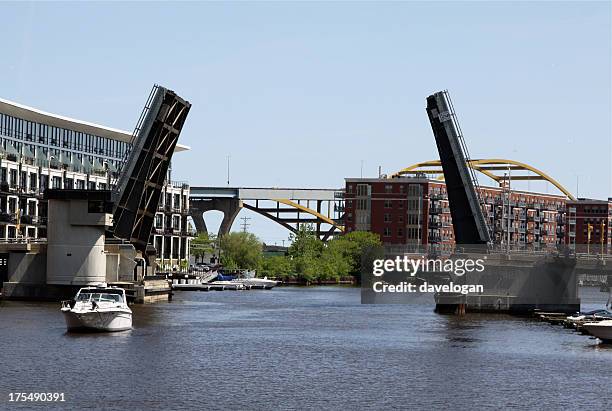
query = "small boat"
{"x": 600, "y": 329}
{"x": 99, "y": 308}
{"x": 225, "y": 285}
{"x": 258, "y": 283}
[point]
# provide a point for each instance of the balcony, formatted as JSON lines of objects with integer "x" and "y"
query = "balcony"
{"x": 435, "y": 224}
{"x": 7, "y": 218}
{"x": 435, "y": 210}
{"x": 28, "y": 219}
{"x": 438, "y": 197}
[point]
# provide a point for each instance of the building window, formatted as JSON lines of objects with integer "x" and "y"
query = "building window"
{"x": 33, "y": 182}
{"x": 388, "y": 204}
{"x": 400, "y": 232}
{"x": 413, "y": 219}
{"x": 68, "y": 183}
{"x": 387, "y": 218}
{"x": 56, "y": 182}
{"x": 388, "y": 188}
{"x": 387, "y": 232}
{"x": 363, "y": 190}
{"x": 414, "y": 190}
{"x": 12, "y": 205}
{"x": 362, "y": 204}
{"x": 13, "y": 181}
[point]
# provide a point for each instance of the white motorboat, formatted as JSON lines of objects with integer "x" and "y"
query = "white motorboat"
{"x": 600, "y": 329}
{"x": 98, "y": 308}
{"x": 258, "y": 282}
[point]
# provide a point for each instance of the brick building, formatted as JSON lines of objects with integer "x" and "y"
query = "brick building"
{"x": 584, "y": 214}
{"x": 412, "y": 211}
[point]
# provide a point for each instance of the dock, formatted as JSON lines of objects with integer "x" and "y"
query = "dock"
{"x": 570, "y": 322}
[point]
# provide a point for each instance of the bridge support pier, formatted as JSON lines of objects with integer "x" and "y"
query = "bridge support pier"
{"x": 230, "y": 207}
{"x": 198, "y": 220}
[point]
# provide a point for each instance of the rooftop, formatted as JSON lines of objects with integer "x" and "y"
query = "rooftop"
{"x": 56, "y": 120}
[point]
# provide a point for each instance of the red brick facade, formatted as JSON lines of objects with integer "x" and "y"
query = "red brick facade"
{"x": 413, "y": 210}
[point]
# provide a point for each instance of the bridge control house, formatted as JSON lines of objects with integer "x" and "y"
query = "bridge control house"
{"x": 40, "y": 151}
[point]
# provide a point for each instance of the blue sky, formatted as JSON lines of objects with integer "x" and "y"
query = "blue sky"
{"x": 298, "y": 94}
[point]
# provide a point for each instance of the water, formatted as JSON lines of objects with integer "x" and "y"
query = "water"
{"x": 297, "y": 348}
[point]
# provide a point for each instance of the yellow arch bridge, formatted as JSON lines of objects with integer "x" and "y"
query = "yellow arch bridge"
{"x": 499, "y": 170}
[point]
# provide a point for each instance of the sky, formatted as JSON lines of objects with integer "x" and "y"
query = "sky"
{"x": 302, "y": 94}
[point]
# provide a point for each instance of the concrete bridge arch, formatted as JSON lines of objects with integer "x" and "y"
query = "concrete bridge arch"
{"x": 230, "y": 207}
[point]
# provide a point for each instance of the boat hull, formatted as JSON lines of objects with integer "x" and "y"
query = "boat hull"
{"x": 259, "y": 283}
{"x": 601, "y": 330}
{"x": 102, "y": 321}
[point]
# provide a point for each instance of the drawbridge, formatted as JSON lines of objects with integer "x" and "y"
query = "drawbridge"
{"x": 137, "y": 192}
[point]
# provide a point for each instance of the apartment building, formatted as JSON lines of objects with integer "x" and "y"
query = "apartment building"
{"x": 40, "y": 150}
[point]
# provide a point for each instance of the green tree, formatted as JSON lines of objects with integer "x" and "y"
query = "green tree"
{"x": 332, "y": 264}
{"x": 276, "y": 266}
{"x": 202, "y": 245}
{"x": 353, "y": 246}
{"x": 240, "y": 250}
{"x": 305, "y": 251}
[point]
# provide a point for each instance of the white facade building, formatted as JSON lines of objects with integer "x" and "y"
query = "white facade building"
{"x": 40, "y": 150}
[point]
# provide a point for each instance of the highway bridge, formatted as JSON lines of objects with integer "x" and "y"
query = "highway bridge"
{"x": 323, "y": 208}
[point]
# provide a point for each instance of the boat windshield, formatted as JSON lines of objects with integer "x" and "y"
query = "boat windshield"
{"x": 100, "y": 297}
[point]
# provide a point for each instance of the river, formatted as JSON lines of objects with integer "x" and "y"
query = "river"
{"x": 301, "y": 348}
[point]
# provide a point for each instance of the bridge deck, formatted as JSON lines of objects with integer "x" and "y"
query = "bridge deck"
{"x": 255, "y": 193}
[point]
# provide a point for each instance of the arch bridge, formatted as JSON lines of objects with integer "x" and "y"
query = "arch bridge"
{"x": 289, "y": 207}
{"x": 498, "y": 169}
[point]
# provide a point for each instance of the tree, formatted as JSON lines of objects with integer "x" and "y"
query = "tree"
{"x": 240, "y": 250}
{"x": 277, "y": 266}
{"x": 305, "y": 251}
{"x": 353, "y": 246}
{"x": 332, "y": 264}
{"x": 202, "y": 245}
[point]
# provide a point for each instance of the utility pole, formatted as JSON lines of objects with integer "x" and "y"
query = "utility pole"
{"x": 577, "y": 193}
{"x": 228, "y": 169}
{"x": 509, "y": 203}
{"x": 245, "y": 223}
{"x": 603, "y": 229}
{"x": 361, "y": 169}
